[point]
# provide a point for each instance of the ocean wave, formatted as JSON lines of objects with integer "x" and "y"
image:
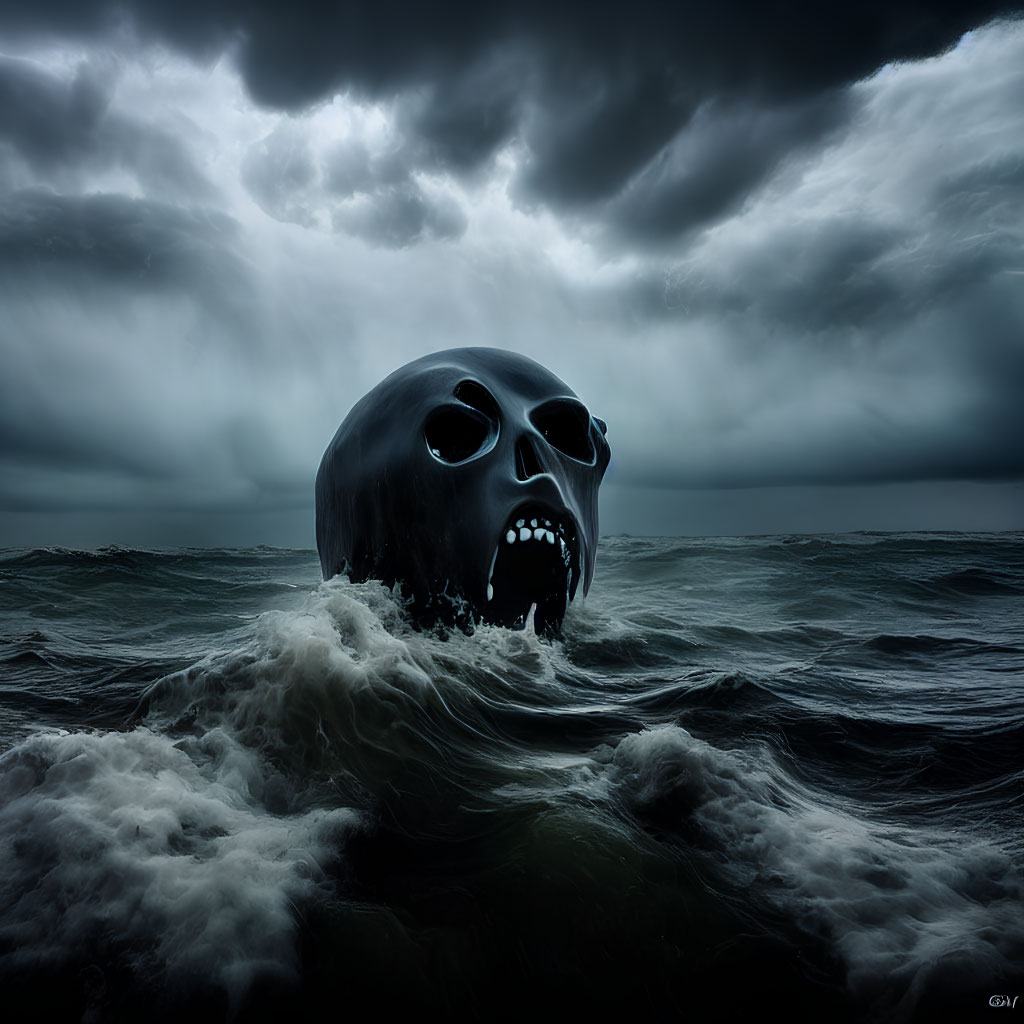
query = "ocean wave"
{"x": 769, "y": 775}
{"x": 908, "y": 910}
{"x": 936, "y": 646}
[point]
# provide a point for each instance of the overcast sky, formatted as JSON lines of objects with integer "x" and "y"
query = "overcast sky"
{"x": 782, "y": 256}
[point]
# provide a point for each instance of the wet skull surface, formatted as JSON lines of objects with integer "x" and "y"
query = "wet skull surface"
{"x": 469, "y": 476}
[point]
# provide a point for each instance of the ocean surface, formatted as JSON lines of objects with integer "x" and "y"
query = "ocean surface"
{"x": 753, "y": 776}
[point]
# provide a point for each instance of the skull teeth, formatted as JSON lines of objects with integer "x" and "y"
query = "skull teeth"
{"x": 539, "y": 533}
{"x": 539, "y": 529}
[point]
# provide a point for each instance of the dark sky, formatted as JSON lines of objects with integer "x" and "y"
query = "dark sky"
{"x": 779, "y": 247}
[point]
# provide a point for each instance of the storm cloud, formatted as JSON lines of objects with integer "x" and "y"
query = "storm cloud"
{"x": 774, "y": 246}
{"x": 52, "y": 127}
{"x": 600, "y": 94}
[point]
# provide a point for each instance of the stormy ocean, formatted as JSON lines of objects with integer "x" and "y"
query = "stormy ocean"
{"x": 754, "y": 776}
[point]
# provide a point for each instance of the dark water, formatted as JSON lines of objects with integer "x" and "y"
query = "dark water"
{"x": 755, "y": 775}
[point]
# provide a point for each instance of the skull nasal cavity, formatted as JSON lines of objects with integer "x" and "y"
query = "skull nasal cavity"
{"x": 527, "y": 464}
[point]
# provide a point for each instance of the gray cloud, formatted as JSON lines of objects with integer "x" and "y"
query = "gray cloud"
{"x": 571, "y": 122}
{"x": 714, "y": 162}
{"x": 62, "y": 126}
{"x": 279, "y": 171}
{"x": 350, "y": 169}
{"x": 597, "y": 94}
{"x": 399, "y": 216}
{"x": 458, "y": 121}
{"x": 145, "y": 244}
{"x": 372, "y": 196}
{"x": 104, "y": 302}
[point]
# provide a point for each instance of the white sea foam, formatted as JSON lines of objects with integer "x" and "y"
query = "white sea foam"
{"x": 112, "y": 839}
{"x": 187, "y": 837}
{"x": 340, "y": 685}
{"x": 903, "y": 907}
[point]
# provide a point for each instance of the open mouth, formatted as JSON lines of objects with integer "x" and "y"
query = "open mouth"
{"x": 536, "y": 562}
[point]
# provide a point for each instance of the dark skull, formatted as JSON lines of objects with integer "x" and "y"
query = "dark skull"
{"x": 471, "y": 477}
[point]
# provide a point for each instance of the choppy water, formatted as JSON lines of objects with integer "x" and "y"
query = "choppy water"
{"x": 755, "y": 775}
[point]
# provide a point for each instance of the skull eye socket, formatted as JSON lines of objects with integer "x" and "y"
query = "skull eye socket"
{"x": 565, "y": 425}
{"x": 457, "y": 433}
{"x": 477, "y": 397}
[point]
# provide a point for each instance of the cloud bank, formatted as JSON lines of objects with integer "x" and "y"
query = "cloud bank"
{"x": 771, "y": 248}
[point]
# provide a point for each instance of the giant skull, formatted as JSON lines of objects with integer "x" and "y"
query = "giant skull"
{"x": 469, "y": 476}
